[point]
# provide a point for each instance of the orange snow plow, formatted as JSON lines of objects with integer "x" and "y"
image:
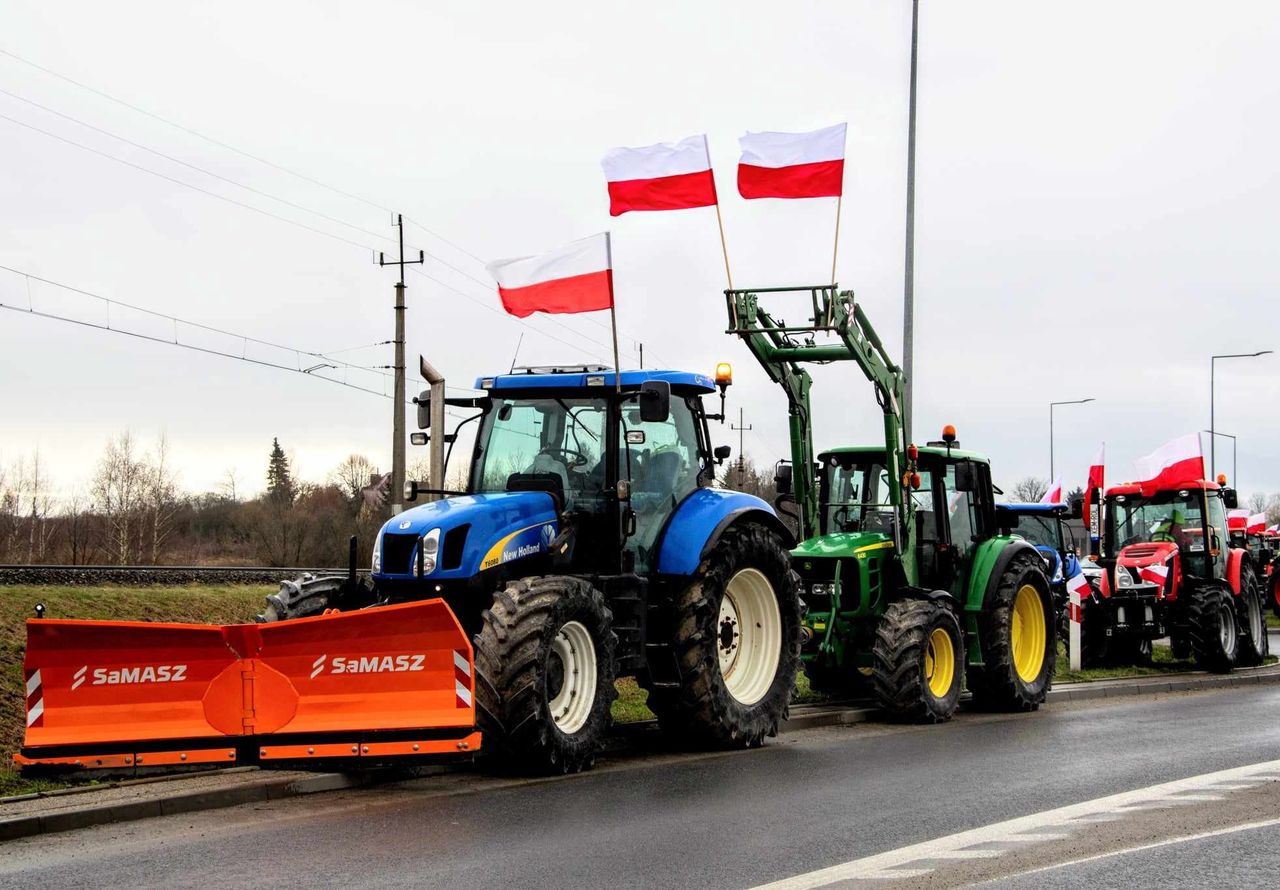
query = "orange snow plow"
{"x": 374, "y": 685}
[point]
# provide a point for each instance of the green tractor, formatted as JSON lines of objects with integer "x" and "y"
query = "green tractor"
{"x": 912, "y": 586}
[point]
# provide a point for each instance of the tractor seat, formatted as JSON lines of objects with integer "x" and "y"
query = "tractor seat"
{"x": 658, "y": 479}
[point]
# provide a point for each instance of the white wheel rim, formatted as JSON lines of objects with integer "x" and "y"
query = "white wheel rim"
{"x": 749, "y": 636}
{"x": 1226, "y": 627}
{"x": 1256, "y": 629}
{"x": 572, "y": 705}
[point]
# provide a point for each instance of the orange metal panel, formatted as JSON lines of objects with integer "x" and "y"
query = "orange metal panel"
{"x": 303, "y": 752}
{"x": 428, "y": 746}
{"x": 177, "y": 758}
{"x": 86, "y": 761}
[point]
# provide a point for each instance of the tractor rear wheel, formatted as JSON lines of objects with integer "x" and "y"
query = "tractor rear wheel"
{"x": 1215, "y": 636}
{"x": 1273, "y": 581}
{"x": 544, "y": 675}
{"x": 919, "y": 661}
{"x": 736, "y": 640}
{"x": 309, "y": 595}
{"x": 1016, "y": 633}
{"x": 838, "y": 682}
{"x": 1254, "y": 645}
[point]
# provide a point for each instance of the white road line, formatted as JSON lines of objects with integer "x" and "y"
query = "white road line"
{"x": 882, "y": 866}
{"x": 1186, "y": 838}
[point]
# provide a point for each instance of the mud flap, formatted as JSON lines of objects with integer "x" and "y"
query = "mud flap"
{"x": 394, "y": 680}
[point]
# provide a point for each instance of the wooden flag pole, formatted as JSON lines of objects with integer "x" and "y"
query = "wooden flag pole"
{"x": 724, "y": 247}
{"x": 835, "y": 249}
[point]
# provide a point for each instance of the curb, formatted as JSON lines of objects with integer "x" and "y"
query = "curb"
{"x": 810, "y": 717}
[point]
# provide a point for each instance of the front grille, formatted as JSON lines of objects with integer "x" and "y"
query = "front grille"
{"x": 397, "y": 554}
{"x": 1139, "y": 551}
{"x": 455, "y": 545}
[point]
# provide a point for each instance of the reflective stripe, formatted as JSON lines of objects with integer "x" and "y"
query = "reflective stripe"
{"x": 464, "y": 694}
{"x": 34, "y": 683}
{"x": 36, "y": 711}
{"x": 461, "y": 663}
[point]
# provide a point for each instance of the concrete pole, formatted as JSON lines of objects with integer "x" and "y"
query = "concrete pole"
{"x": 397, "y": 442}
{"x": 908, "y": 288}
{"x": 436, "y": 453}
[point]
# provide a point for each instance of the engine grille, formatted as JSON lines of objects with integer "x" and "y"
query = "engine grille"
{"x": 397, "y": 553}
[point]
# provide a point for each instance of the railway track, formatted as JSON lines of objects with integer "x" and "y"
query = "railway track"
{"x": 87, "y": 576}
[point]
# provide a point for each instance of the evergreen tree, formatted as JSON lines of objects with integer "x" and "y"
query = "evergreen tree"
{"x": 279, "y": 479}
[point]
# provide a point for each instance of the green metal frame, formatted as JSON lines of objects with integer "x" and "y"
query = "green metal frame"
{"x": 846, "y": 335}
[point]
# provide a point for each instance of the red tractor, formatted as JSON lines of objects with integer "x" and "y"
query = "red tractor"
{"x": 1170, "y": 569}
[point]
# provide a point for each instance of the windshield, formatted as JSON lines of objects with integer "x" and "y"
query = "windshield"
{"x": 855, "y": 494}
{"x": 1041, "y": 530}
{"x": 562, "y": 439}
{"x": 1176, "y": 517}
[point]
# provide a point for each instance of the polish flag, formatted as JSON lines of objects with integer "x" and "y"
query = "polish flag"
{"x": 1171, "y": 464}
{"x": 1078, "y": 592}
{"x": 1097, "y": 477}
{"x": 575, "y": 278}
{"x": 1054, "y": 494}
{"x": 1257, "y": 523}
{"x": 792, "y": 165}
{"x": 666, "y": 176}
{"x": 1155, "y": 574}
{"x": 1238, "y": 520}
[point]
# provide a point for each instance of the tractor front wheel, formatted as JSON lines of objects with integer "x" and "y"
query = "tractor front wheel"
{"x": 736, "y": 639}
{"x": 1016, "y": 633}
{"x": 1254, "y": 645}
{"x": 544, "y": 675}
{"x": 1214, "y": 631}
{"x": 919, "y": 661}
{"x": 310, "y": 595}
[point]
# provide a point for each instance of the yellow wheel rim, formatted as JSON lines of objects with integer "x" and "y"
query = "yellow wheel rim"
{"x": 1028, "y": 633}
{"x": 940, "y": 663}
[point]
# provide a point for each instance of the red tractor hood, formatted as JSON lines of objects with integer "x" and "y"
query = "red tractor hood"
{"x": 1138, "y": 555}
{"x": 1154, "y": 563}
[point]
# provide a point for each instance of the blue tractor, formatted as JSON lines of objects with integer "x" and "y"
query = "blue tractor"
{"x": 591, "y": 543}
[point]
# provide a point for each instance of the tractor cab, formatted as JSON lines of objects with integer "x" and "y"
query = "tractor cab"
{"x": 1177, "y": 529}
{"x": 1044, "y": 526}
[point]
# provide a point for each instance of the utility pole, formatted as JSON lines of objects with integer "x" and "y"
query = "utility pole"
{"x": 908, "y": 286}
{"x": 397, "y": 424}
{"x": 741, "y": 430}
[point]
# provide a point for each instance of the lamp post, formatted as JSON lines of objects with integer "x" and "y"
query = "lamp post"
{"x": 1233, "y": 453}
{"x": 1053, "y": 405}
{"x": 1213, "y": 440}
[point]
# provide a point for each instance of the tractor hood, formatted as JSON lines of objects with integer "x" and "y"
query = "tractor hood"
{"x": 465, "y": 535}
{"x": 843, "y": 544}
{"x": 1136, "y": 556}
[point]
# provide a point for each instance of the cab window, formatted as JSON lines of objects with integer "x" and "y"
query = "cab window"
{"x": 662, "y": 462}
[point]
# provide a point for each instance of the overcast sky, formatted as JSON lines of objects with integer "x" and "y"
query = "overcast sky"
{"x": 1096, "y": 215}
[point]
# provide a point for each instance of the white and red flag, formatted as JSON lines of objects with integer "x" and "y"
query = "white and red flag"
{"x": 792, "y": 165}
{"x": 666, "y": 176}
{"x": 575, "y": 278}
{"x": 1078, "y": 592}
{"x": 1256, "y": 523}
{"x": 1173, "y": 463}
{"x": 1097, "y": 480}
{"x": 1054, "y": 494}
{"x": 1155, "y": 574}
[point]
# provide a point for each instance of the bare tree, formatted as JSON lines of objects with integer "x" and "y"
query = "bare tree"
{"x": 1257, "y": 502}
{"x": 160, "y": 492}
{"x": 119, "y": 493}
{"x": 1028, "y": 490}
{"x": 353, "y": 474}
{"x": 229, "y": 488}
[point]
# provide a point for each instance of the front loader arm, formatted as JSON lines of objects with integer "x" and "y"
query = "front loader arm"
{"x": 782, "y": 349}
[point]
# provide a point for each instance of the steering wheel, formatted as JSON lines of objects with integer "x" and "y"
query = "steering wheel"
{"x": 840, "y": 519}
{"x": 575, "y": 458}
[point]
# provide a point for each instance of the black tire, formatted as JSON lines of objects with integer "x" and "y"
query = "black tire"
{"x": 837, "y": 682}
{"x": 996, "y": 683}
{"x": 1273, "y": 587}
{"x": 519, "y": 672}
{"x": 905, "y": 659}
{"x": 1253, "y": 621}
{"x": 309, "y": 595}
{"x": 1130, "y": 650}
{"x": 701, "y": 708}
{"x": 1095, "y": 645}
{"x": 1180, "y": 643}
{"x": 1212, "y": 626}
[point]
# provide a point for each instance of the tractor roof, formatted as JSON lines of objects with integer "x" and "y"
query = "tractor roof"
{"x": 591, "y": 377}
{"x": 1136, "y": 488}
{"x": 1061, "y": 509}
{"x": 936, "y": 450}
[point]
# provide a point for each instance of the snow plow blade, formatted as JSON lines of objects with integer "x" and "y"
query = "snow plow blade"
{"x": 382, "y": 683}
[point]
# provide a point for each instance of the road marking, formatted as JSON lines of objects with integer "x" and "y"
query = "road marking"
{"x": 1167, "y": 842}
{"x": 887, "y": 865}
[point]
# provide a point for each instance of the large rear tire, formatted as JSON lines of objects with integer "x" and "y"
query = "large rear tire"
{"x": 736, "y": 639}
{"x": 1254, "y": 645}
{"x": 1016, "y": 633}
{"x": 846, "y": 682}
{"x": 1211, "y": 620}
{"x": 544, "y": 675}
{"x": 1273, "y": 586}
{"x": 918, "y": 661}
{"x": 309, "y": 595}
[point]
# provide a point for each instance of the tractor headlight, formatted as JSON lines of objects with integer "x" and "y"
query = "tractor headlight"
{"x": 430, "y": 550}
{"x": 1123, "y": 577}
{"x": 377, "y": 555}
{"x": 827, "y": 590}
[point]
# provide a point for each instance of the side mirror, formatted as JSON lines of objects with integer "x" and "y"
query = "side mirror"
{"x": 1229, "y": 499}
{"x": 722, "y": 453}
{"x": 410, "y": 490}
{"x": 655, "y": 401}
{"x": 1077, "y": 507}
{"x": 782, "y": 478}
{"x": 966, "y": 476}
{"x": 423, "y": 401}
{"x": 418, "y": 438}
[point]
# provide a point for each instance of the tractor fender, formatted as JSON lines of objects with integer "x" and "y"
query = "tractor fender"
{"x": 1237, "y": 559}
{"x": 700, "y": 520}
{"x": 924, "y": 594}
{"x": 990, "y": 559}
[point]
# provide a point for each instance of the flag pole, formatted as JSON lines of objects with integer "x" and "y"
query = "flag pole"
{"x": 835, "y": 249}
{"x": 724, "y": 246}
{"x": 613, "y": 315}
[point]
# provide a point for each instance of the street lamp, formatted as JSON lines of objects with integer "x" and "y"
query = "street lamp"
{"x": 1213, "y": 440}
{"x": 1053, "y": 405}
{"x": 1233, "y": 452}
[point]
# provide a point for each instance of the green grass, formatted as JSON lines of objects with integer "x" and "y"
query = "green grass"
{"x": 203, "y": 604}
{"x": 1273, "y": 620}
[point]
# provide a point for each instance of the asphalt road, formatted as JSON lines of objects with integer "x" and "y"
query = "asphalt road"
{"x": 807, "y": 801}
